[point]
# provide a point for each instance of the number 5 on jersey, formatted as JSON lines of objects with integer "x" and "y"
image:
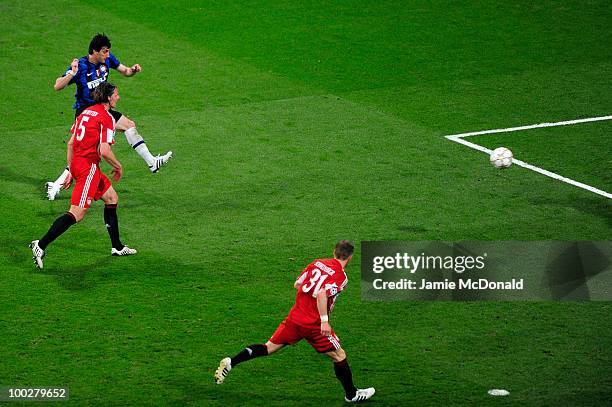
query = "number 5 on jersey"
{"x": 80, "y": 133}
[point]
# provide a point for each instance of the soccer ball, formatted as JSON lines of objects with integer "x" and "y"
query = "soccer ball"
{"x": 501, "y": 157}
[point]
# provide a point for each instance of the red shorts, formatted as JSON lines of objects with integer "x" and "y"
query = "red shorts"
{"x": 289, "y": 333}
{"x": 90, "y": 183}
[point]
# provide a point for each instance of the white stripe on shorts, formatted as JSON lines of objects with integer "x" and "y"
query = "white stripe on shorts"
{"x": 92, "y": 171}
{"x": 334, "y": 341}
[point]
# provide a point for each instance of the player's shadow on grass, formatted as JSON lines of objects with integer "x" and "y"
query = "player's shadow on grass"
{"x": 75, "y": 278}
{"x": 110, "y": 270}
{"x": 592, "y": 205}
{"x": 9, "y": 175}
{"x": 200, "y": 392}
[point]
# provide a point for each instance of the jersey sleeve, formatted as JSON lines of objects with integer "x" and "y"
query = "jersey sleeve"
{"x": 113, "y": 62}
{"x": 107, "y": 129}
{"x": 336, "y": 285}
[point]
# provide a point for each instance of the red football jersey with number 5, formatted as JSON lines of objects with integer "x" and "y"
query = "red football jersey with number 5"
{"x": 93, "y": 127}
{"x": 321, "y": 274}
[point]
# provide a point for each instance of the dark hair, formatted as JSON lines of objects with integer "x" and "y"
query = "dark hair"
{"x": 97, "y": 42}
{"x": 103, "y": 92}
{"x": 343, "y": 250}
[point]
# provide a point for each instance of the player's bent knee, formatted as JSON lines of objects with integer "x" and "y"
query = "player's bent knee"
{"x": 128, "y": 123}
{"x": 337, "y": 355}
{"x": 110, "y": 197}
{"x": 273, "y": 347}
{"x": 78, "y": 216}
{"x": 125, "y": 124}
{"x": 78, "y": 212}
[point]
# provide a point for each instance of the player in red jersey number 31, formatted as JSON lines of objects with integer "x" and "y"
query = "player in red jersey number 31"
{"x": 317, "y": 287}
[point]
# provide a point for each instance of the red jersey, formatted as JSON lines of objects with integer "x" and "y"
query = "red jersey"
{"x": 91, "y": 128}
{"x": 321, "y": 274}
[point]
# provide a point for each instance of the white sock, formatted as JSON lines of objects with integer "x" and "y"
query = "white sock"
{"x": 138, "y": 144}
{"x": 61, "y": 178}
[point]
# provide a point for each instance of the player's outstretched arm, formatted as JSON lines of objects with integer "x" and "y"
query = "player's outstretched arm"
{"x": 300, "y": 280}
{"x": 63, "y": 81}
{"x": 322, "y": 307}
{"x": 125, "y": 71}
{"x": 109, "y": 157}
{"x": 69, "y": 154}
{"x": 70, "y": 150}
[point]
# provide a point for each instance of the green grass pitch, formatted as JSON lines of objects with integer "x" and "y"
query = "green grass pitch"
{"x": 296, "y": 124}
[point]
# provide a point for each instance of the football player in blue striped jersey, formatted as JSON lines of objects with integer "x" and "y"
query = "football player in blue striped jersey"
{"x": 87, "y": 73}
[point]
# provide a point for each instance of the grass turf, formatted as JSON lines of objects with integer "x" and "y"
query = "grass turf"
{"x": 294, "y": 126}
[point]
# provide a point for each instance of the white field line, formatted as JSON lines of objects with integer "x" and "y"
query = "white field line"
{"x": 458, "y": 138}
{"x": 533, "y": 126}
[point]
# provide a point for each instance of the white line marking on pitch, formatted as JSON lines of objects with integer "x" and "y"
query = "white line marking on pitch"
{"x": 458, "y": 138}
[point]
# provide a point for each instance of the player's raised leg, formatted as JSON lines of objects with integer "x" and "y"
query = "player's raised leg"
{"x": 54, "y": 187}
{"x": 345, "y": 376}
{"x": 111, "y": 221}
{"x": 248, "y": 353}
{"x": 138, "y": 144}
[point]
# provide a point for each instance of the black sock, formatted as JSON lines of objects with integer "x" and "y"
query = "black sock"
{"x": 343, "y": 373}
{"x": 58, "y": 227}
{"x": 250, "y": 352}
{"x": 112, "y": 225}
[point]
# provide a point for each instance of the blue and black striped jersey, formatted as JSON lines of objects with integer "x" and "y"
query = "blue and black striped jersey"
{"x": 89, "y": 77}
